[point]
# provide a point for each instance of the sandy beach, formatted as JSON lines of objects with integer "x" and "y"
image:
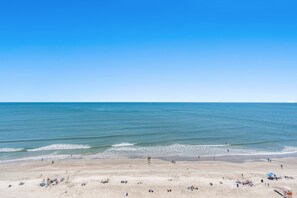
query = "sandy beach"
{"x": 135, "y": 178}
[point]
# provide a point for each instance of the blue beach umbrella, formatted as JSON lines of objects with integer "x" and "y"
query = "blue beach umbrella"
{"x": 270, "y": 174}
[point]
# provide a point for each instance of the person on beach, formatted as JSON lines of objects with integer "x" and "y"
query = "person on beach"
{"x": 149, "y": 160}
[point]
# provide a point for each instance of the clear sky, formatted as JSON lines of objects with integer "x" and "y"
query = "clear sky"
{"x": 155, "y": 50}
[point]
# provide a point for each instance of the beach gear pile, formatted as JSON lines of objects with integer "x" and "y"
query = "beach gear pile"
{"x": 192, "y": 188}
{"x": 105, "y": 181}
{"x": 50, "y": 182}
{"x": 244, "y": 182}
{"x": 247, "y": 182}
{"x": 272, "y": 176}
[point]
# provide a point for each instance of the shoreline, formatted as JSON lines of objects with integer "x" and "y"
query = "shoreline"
{"x": 83, "y": 178}
{"x": 236, "y": 158}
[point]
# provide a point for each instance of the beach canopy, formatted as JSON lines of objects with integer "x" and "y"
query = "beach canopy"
{"x": 270, "y": 174}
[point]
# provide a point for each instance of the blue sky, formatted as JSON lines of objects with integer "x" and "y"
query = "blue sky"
{"x": 202, "y": 51}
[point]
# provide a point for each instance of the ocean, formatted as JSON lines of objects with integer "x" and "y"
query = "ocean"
{"x": 35, "y": 131}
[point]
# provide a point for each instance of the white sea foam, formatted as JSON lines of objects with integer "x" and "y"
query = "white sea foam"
{"x": 60, "y": 147}
{"x": 289, "y": 149}
{"x": 4, "y": 150}
{"x": 174, "y": 149}
{"x": 285, "y": 151}
{"x": 52, "y": 156}
{"x": 123, "y": 144}
{"x": 213, "y": 145}
{"x": 191, "y": 151}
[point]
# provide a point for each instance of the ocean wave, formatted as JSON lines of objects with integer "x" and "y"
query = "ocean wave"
{"x": 123, "y": 144}
{"x": 129, "y": 150}
{"x": 60, "y": 147}
{"x": 213, "y": 145}
{"x": 6, "y": 150}
{"x": 135, "y": 151}
{"x": 174, "y": 149}
{"x": 192, "y": 151}
{"x": 289, "y": 149}
{"x": 52, "y": 156}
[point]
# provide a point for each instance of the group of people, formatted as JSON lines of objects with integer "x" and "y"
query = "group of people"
{"x": 50, "y": 182}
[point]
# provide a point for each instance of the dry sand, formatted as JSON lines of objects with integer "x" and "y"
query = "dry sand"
{"x": 141, "y": 177}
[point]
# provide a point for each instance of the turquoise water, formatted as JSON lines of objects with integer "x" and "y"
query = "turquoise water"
{"x": 115, "y": 130}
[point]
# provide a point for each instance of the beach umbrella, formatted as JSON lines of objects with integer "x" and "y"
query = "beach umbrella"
{"x": 270, "y": 174}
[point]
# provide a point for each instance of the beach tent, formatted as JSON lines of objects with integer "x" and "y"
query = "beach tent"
{"x": 287, "y": 192}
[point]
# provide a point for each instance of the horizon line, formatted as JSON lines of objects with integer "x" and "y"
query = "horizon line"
{"x": 148, "y": 102}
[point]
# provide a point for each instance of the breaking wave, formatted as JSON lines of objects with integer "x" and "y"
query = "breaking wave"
{"x": 60, "y": 147}
{"x": 6, "y": 150}
{"x": 190, "y": 151}
{"x": 129, "y": 150}
{"x": 123, "y": 144}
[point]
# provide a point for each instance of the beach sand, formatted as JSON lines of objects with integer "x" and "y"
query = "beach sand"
{"x": 160, "y": 176}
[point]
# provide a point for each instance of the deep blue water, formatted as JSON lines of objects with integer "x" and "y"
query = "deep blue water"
{"x": 104, "y": 130}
